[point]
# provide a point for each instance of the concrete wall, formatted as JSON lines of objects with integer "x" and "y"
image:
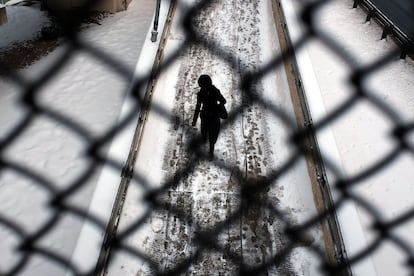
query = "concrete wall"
{"x": 3, "y": 15}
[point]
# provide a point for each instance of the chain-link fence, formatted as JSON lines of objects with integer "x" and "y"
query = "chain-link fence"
{"x": 250, "y": 183}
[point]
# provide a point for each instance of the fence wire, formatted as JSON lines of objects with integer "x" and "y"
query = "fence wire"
{"x": 251, "y": 189}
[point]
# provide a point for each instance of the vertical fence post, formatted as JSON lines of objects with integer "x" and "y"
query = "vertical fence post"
{"x": 154, "y": 32}
{"x": 356, "y": 3}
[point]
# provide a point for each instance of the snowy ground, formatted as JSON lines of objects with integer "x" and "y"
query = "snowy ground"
{"x": 86, "y": 91}
{"x": 363, "y": 133}
{"x": 255, "y": 144}
{"x": 209, "y": 193}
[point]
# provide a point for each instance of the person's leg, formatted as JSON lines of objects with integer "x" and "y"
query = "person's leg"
{"x": 214, "y": 129}
{"x": 204, "y": 128}
{"x": 211, "y": 151}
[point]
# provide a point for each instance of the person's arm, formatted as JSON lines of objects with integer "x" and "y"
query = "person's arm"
{"x": 220, "y": 97}
{"x": 197, "y": 110}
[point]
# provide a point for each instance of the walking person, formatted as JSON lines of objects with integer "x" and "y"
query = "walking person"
{"x": 210, "y": 107}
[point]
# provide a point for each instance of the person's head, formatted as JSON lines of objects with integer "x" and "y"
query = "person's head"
{"x": 204, "y": 81}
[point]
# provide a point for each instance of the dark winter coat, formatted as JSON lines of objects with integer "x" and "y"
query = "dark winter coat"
{"x": 207, "y": 101}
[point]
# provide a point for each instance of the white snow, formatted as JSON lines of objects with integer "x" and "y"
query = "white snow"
{"x": 293, "y": 189}
{"x": 86, "y": 253}
{"x": 350, "y": 225}
{"x": 362, "y": 135}
{"x": 86, "y": 91}
{"x": 14, "y": 2}
{"x": 353, "y": 142}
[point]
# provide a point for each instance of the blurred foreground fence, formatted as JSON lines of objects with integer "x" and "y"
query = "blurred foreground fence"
{"x": 303, "y": 140}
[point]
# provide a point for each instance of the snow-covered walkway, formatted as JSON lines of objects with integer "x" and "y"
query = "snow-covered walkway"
{"x": 254, "y": 144}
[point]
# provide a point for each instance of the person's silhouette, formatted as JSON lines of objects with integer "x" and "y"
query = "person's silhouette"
{"x": 208, "y": 100}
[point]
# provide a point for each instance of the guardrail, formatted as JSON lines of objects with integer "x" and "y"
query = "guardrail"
{"x": 127, "y": 171}
{"x": 401, "y": 34}
{"x": 336, "y": 248}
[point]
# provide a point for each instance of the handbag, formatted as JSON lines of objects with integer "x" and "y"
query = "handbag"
{"x": 222, "y": 112}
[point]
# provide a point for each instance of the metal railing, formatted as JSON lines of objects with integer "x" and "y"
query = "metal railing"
{"x": 402, "y": 36}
